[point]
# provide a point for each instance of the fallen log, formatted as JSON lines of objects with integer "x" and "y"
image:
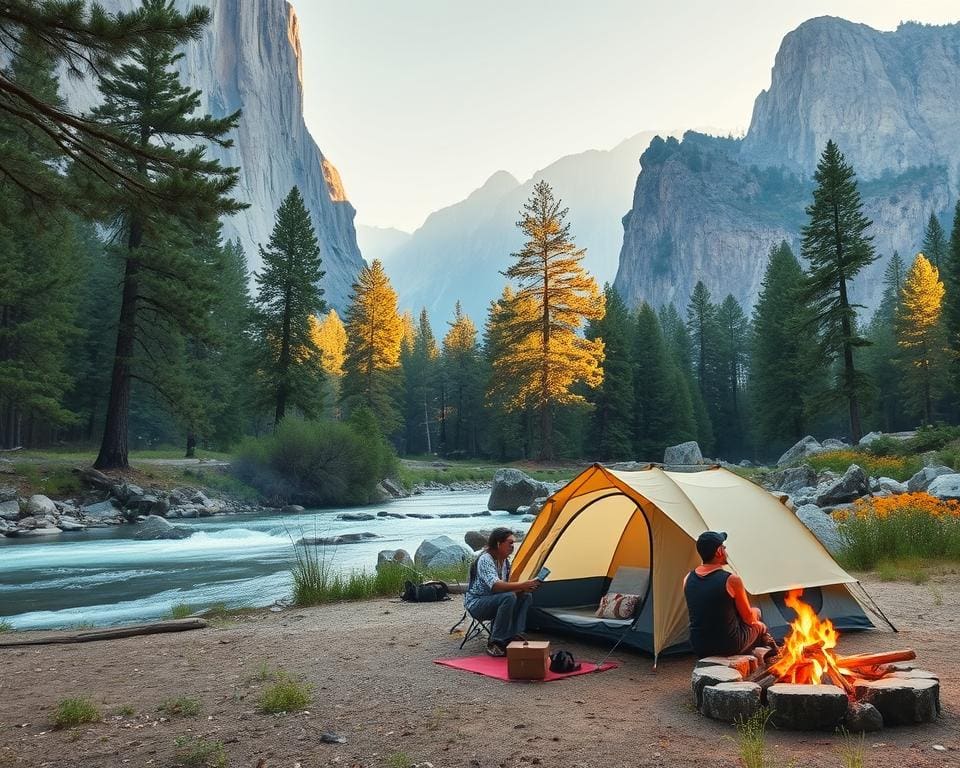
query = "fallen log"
{"x": 109, "y": 633}
{"x": 871, "y": 659}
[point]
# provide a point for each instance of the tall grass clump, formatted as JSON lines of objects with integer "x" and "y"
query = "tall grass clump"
{"x": 897, "y": 467}
{"x": 851, "y": 751}
{"x": 75, "y": 712}
{"x": 285, "y": 695}
{"x": 5, "y": 626}
{"x": 317, "y": 463}
{"x": 200, "y": 753}
{"x": 751, "y": 738}
{"x": 908, "y": 526}
{"x": 181, "y": 611}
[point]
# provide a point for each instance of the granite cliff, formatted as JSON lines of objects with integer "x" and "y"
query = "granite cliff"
{"x": 710, "y": 209}
{"x": 249, "y": 58}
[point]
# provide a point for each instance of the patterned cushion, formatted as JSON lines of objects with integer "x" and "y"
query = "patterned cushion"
{"x": 616, "y": 605}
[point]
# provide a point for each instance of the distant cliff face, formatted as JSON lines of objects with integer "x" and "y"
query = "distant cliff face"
{"x": 249, "y": 59}
{"x": 711, "y": 209}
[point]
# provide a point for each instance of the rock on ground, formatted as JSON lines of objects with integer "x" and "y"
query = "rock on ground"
{"x": 440, "y": 552}
{"x": 512, "y": 489}
{"x": 804, "y": 447}
{"x": 921, "y": 481}
{"x": 821, "y": 525}
{"x": 687, "y": 453}
{"x": 852, "y": 485}
{"x": 945, "y": 487}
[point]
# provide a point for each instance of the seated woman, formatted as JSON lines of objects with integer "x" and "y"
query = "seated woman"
{"x": 491, "y": 594}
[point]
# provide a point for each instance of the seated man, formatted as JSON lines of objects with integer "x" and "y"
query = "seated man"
{"x": 491, "y": 594}
{"x": 722, "y": 621}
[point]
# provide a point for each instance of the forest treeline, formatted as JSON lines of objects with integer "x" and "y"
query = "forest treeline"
{"x": 126, "y": 319}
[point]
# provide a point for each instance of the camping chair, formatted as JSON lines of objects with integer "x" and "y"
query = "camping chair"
{"x": 477, "y": 628}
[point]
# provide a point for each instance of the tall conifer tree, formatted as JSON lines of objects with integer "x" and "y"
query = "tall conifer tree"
{"x": 420, "y": 364}
{"x": 935, "y": 243}
{"x": 553, "y": 356}
{"x": 678, "y": 342}
{"x": 732, "y": 364}
{"x": 837, "y": 246}
{"x": 288, "y": 295}
{"x": 461, "y": 363}
{"x": 951, "y": 311}
{"x": 880, "y": 358}
{"x": 145, "y": 102}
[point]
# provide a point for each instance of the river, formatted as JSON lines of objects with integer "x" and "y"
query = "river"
{"x": 104, "y": 576}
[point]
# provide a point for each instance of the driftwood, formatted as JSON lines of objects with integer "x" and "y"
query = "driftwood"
{"x": 872, "y": 659}
{"x": 110, "y": 633}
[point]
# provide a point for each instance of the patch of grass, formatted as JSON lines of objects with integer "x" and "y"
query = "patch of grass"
{"x": 751, "y": 739}
{"x": 219, "y": 616}
{"x": 54, "y": 480}
{"x": 181, "y": 611}
{"x": 76, "y": 711}
{"x": 398, "y": 760}
{"x": 220, "y": 482}
{"x": 261, "y": 673}
{"x": 181, "y": 707}
{"x": 5, "y": 626}
{"x": 908, "y": 569}
{"x": 200, "y": 753}
{"x": 898, "y": 467}
{"x": 125, "y": 710}
{"x": 851, "y": 750}
{"x": 285, "y": 695}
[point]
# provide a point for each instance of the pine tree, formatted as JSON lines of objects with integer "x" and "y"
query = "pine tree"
{"x": 837, "y": 247}
{"x": 374, "y": 334}
{"x": 920, "y": 336}
{"x": 663, "y": 413}
{"x": 705, "y": 347}
{"x": 935, "y": 243}
{"x": 609, "y": 435}
{"x": 879, "y": 359}
{"x": 782, "y": 375}
{"x": 678, "y": 341}
{"x": 951, "y": 311}
{"x": 732, "y": 362}
{"x": 505, "y": 434}
{"x": 420, "y": 364}
{"x": 288, "y": 295}
{"x": 145, "y": 102}
{"x": 461, "y": 364}
{"x": 552, "y": 356}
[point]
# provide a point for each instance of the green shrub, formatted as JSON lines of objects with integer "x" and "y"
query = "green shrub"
{"x": 182, "y": 706}
{"x": 74, "y": 712}
{"x": 200, "y": 753}
{"x": 316, "y": 464}
{"x": 5, "y": 626}
{"x": 897, "y": 467}
{"x": 285, "y": 695}
{"x": 751, "y": 739}
{"x": 932, "y": 438}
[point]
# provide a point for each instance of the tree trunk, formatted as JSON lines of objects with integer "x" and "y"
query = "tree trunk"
{"x": 849, "y": 372}
{"x": 113, "y": 448}
{"x": 284, "y": 364}
{"x": 191, "y": 446}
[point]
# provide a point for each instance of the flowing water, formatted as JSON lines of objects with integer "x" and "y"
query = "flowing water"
{"x": 104, "y": 576}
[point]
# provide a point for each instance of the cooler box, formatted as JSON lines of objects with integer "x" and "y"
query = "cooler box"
{"x": 528, "y": 659}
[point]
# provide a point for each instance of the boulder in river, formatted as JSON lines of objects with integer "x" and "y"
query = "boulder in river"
{"x": 344, "y": 538}
{"x": 156, "y": 528}
{"x": 512, "y": 489}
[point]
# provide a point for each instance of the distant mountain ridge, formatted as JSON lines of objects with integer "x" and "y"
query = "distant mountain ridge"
{"x": 460, "y": 250}
{"x": 710, "y": 209}
{"x": 249, "y": 58}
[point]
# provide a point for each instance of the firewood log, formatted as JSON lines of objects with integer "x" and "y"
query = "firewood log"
{"x": 870, "y": 659}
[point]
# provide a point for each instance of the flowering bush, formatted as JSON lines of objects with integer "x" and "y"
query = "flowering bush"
{"x": 908, "y": 525}
{"x": 897, "y": 467}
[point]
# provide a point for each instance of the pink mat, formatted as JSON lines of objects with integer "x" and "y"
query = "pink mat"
{"x": 497, "y": 667}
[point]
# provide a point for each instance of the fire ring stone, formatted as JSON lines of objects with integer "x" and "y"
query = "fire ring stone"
{"x": 862, "y": 718}
{"x": 807, "y": 707}
{"x": 730, "y": 702}
{"x": 706, "y": 676}
{"x": 902, "y": 701}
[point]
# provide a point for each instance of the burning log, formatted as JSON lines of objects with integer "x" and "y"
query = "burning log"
{"x": 841, "y": 682}
{"x": 872, "y": 659}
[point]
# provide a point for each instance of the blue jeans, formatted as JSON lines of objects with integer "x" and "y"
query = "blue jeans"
{"x": 508, "y": 611}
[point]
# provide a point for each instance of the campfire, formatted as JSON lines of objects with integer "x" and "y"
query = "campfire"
{"x": 807, "y": 658}
{"x": 808, "y": 685}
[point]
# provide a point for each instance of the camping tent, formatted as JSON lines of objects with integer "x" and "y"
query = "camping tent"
{"x": 635, "y": 532}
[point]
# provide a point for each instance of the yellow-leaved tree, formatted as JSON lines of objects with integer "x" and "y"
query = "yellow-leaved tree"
{"x": 546, "y": 355}
{"x": 330, "y": 337}
{"x": 920, "y": 335}
{"x": 371, "y": 366}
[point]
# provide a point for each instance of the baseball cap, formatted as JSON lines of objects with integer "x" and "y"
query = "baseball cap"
{"x": 708, "y": 543}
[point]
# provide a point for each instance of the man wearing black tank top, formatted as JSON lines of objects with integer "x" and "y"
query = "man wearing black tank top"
{"x": 722, "y": 621}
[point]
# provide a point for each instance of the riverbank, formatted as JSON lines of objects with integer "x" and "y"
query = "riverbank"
{"x": 369, "y": 667}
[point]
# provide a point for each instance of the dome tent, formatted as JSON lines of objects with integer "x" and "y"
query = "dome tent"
{"x": 636, "y": 532}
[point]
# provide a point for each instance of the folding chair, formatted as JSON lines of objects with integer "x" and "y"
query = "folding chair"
{"x": 477, "y": 628}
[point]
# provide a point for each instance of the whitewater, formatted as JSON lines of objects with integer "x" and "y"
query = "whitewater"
{"x": 104, "y": 576}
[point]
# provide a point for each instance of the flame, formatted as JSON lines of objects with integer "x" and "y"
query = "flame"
{"x": 807, "y": 652}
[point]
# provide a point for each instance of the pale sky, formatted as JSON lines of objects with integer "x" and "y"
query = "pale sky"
{"x": 418, "y": 102}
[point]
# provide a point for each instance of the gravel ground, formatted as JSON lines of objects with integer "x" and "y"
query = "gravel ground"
{"x": 373, "y": 682}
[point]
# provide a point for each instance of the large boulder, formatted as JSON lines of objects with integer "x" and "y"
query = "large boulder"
{"x": 10, "y": 510}
{"x": 441, "y": 552}
{"x": 683, "y": 454}
{"x": 800, "y": 450}
{"x": 394, "y": 557}
{"x": 869, "y": 438}
{"x": 792, "y": 479}
{"x": 852, "y": 485}
{"x": 822, "y": 526}
{"x": 7, "y": 468}
{"x": 891, "y": 486}
{"x": 478, "y": 539}
{"x": 102, "y": 510}
{"x": 832, "y": 444}
{"x": 921, "y": 481}
{"x": 512, "y": 489}
{"x": 945, "y": 487}
{"x": 336, "y": 541}
{"x": 40, "y": 506}
{"x": 155, "y": 528}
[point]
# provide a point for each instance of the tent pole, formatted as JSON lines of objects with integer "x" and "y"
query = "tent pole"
{"x": 876, "y": 608}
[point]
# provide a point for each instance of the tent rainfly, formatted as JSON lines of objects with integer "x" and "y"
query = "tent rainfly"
{"x": 635, "y": 532}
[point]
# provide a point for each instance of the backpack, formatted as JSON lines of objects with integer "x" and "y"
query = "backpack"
{"x": 562, "y": 662}
{"x": 428, "y": 592}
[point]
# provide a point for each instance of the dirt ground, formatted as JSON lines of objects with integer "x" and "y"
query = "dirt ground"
{"x": 374, "y": 683}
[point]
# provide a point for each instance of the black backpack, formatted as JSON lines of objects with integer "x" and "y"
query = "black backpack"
{"x": 428, "y": 592}
{"x": 563, "y": 661}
